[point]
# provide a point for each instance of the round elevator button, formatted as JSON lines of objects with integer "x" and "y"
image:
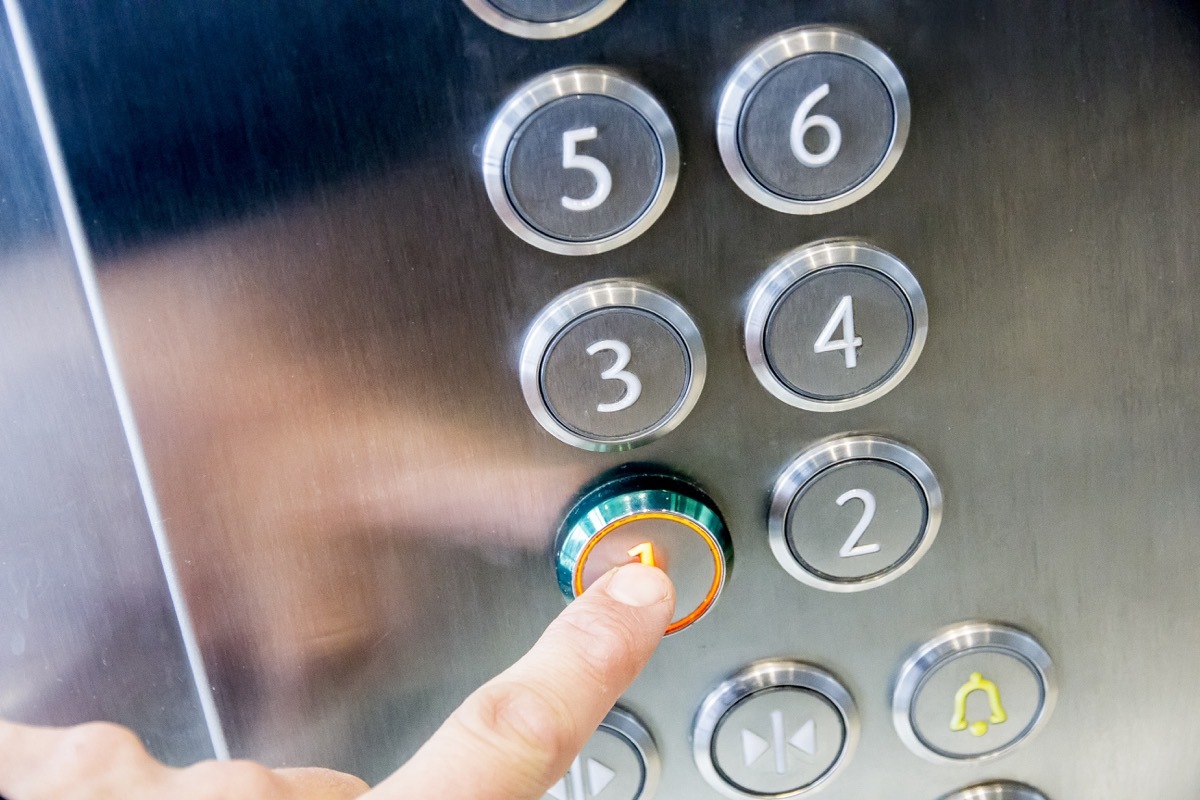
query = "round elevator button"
{"x": 775, "y": 729}
{"x": 619, "y": 762}
{"x": 812, "y": 119}
{"x": 654, "y": 518}
{"x": 835, "y": 325}
{"x": 1001, "y": 790}
{"x": 580, "y": 161}
{"x": 853, "y": 513}
{"x": 612, "y": 365}
{"x": 973, "y": 692}
{"x": 544, "y": 19}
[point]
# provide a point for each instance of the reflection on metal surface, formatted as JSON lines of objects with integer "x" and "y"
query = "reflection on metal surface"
{"x": 318, "y": 315}
{"x": 88, "y": 629}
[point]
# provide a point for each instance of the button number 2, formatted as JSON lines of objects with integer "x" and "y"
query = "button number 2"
{"x": 852, "y": 548}
{"x": 633, "y": 384}
{"x": 573, "y": 160}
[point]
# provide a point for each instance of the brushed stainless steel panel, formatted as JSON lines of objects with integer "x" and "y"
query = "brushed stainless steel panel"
{"x": 87, "y": 626}
{"x": 320, "y": 317}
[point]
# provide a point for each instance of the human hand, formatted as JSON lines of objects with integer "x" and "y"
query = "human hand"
{"x": 510, "y": 740}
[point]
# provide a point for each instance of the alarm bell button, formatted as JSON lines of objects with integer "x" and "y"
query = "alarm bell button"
{"x": 654, "y": 518}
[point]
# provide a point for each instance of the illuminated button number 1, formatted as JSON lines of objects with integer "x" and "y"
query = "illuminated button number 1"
{"x": 617, "y": 372}
{"x": 572, "y": 159}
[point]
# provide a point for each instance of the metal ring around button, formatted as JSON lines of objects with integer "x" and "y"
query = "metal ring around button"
{"x": 632, "y": 730}
{"x": 593, "y": 296}
{"x": 763, "y": 676}
{"x": 778, "y": 50}
{"x": 546, "y": 89}
{"x": 960, "y": 639}
{"x": 559, "y": 29}
{"x": 815, "y": 460}
{"x": 808, "y": 260}
{"x": 1003, "y": 790}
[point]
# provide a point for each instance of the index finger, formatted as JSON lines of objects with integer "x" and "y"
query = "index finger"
{"x": 514, "y": 737}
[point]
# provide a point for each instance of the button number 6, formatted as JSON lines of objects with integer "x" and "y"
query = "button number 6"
{"x": 802, "y": 123}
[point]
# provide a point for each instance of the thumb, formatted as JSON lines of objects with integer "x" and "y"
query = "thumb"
{"x": 514, "y": 737}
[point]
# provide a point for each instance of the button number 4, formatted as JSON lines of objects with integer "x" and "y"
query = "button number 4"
{"x": 843, "y": 317}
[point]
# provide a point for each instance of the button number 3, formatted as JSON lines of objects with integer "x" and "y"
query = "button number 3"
{"x": 573, "y": 160}
{"x": 633, "y": 384}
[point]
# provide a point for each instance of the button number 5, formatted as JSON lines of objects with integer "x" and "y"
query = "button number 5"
{"x": 633, "y": 384}
{"x": 573, "y": 160}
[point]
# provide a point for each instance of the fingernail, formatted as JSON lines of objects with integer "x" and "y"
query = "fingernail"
{"x": 638, "y": 585}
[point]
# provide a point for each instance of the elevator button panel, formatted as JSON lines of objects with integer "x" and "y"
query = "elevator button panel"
{"x": 975, "y": 691}
{"x": 612, "y": 365}
{"x": 654, "y": 518}
{"x": 853, "y": 513}
{"x": 775, "y": 729}
{"x": 580, "y": 160}
{"x": 544, "y": 19}
{"x": 835, "y": 325}
{"x": 619, "y": 762}
{"x": 812, "y": 119}
{"x": 1001, "y": 790}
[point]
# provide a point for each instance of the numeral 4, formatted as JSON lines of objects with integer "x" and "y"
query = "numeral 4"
{"x": 843, "y": 317}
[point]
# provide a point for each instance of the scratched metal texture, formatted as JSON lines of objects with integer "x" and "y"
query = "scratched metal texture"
{"x": 319, "y": 316}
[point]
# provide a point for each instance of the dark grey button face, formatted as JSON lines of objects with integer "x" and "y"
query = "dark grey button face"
{"x": 816, "y": 126}
{"x": 583, "y": 167}
{"x": 838, "y": 332}
{"x": 545, "y": 10}
{"x": 608, "y": 768}
{"x": 977, "y": 703}
{"x": 778, "y": 741}
{"x": 614, "y": 373}
{"x": 857, "y": 520}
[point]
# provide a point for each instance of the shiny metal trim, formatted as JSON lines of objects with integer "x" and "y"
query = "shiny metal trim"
{"x": 953, "y": 641}
{"x": 758, "y": 677}
{"x": 777, "y": 50}
{"x": 820, "y": 457}
{"x": 630, "y": 727}
{"x": 85, "y": 264}
{"x": 576, "y": 302}
{"x": 553, "y": 86}
{"x": 799, "y": 264}
{"x": 1003, "y": 790}
{"x": 527, "y": 29}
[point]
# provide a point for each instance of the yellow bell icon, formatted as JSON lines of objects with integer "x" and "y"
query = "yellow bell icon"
{"x": 977, "y": 683}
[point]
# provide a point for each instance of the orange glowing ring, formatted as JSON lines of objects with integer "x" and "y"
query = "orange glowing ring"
{"x": 714, "y": 548}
